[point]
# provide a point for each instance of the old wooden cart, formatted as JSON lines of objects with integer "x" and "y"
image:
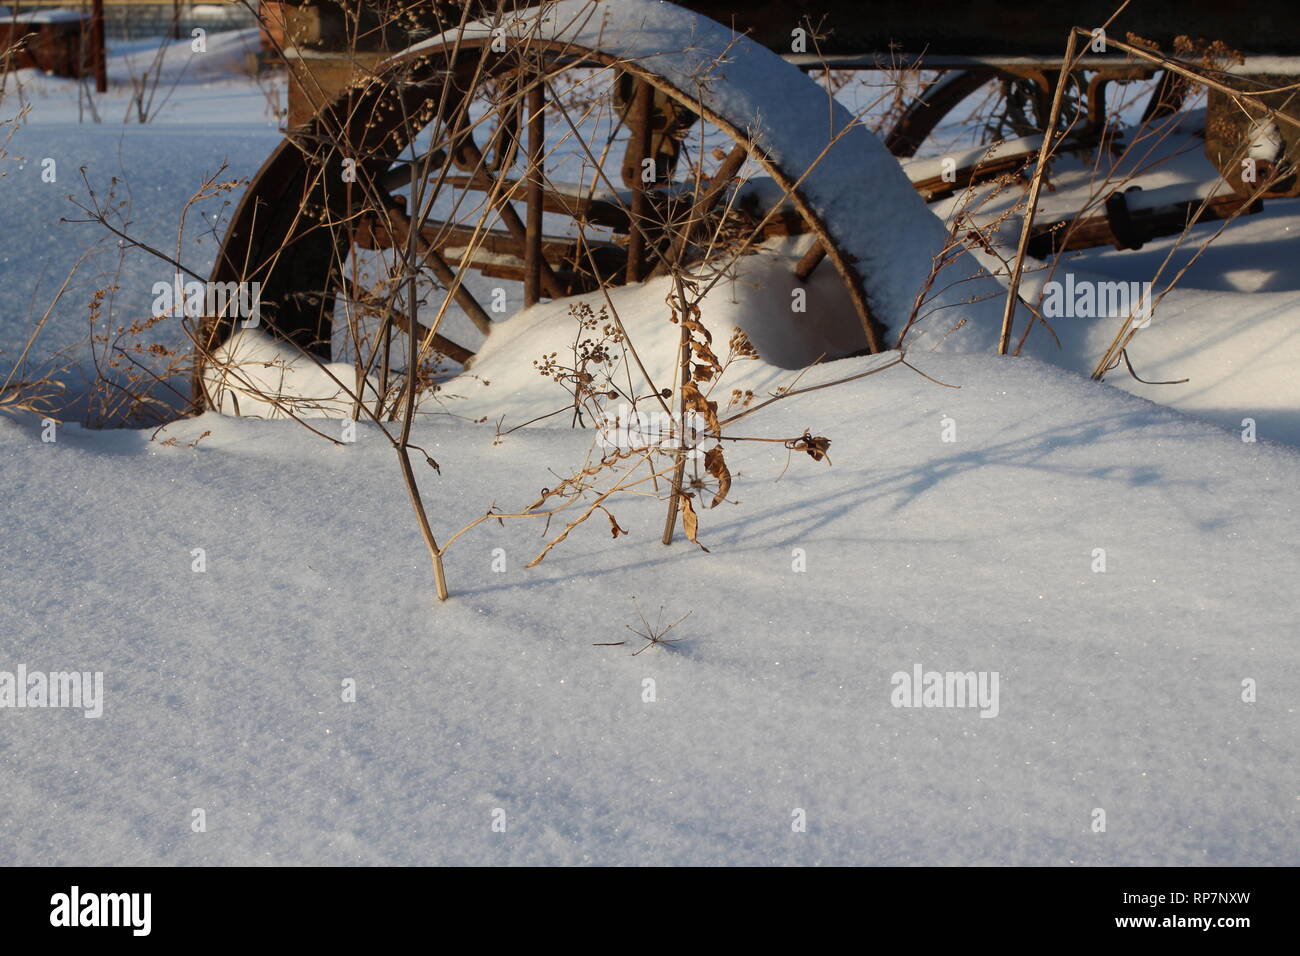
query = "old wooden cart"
{"x": 374, "y": 87}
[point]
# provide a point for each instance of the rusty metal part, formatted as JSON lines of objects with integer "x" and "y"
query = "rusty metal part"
{"x": 1096, "y": 93}
{"x": 949, "y": 90}
{"x": 1231, "y": 130}
{"x": 1167, "y": 98}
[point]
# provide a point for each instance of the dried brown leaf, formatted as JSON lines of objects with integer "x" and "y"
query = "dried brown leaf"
{"x": 698, "y": 328}
{"x": 716, "y": 465}
{"x": 690, "y": 521}
{"x": 704, "y": 355}
{"x": 816, "y": 446}
{"x": 696, "y": 402}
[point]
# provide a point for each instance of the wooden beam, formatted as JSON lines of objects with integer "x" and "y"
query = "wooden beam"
{"x": 97, "y": 48}
{"x": 364, "y": 296}
{"x": 1129, "y": 228}
{"x": 446, "y": 275}
{"x": 549, "y": 283}
{"x": 810, "y": 260}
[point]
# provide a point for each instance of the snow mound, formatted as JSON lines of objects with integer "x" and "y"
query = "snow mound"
{"x": 757, "y": 299}
{"x": 255, "y": 375}
{"x": 1228, "y": 328}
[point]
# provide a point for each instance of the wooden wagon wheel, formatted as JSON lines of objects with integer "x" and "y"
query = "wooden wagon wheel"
{"x": 950, "y": 89}
{"x": 924, "y": 114}
{"x": 333, "y": 186}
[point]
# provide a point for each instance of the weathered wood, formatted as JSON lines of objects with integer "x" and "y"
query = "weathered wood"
{"x": 565, "y": 199}
{"x": 511, "y": 219}
{"x": 290, "y": 228}
{"x": 1126, "y": 227}
{"x": 809, "y": 261}
{"x": 440, "y": 342}
{"x": 401, "y": 226}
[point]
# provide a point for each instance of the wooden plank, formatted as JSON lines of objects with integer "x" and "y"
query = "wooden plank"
{"x": 1126, "y": 225}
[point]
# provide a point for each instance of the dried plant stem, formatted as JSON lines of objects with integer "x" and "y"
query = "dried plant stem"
{"x": 536, "y": 103}
{"x": 1128, "y": 330}
{"x": 417, "y": 505}
{"x": 706, "y": 197}
{"x": 413, "y": 364}
{"x": 1035, "y": 186}
{"x": 684, "y": 365}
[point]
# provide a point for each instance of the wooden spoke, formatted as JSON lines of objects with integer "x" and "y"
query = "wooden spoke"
{"x": 549, "y": 283}
{"x": 810, "y": 260}
{"x": 400, "y": 226}
{"x": 367, "y": 297}
{"x": 536, "y": 152}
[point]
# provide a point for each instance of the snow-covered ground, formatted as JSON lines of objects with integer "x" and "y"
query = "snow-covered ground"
{"x": 1119, "y": 691}
{"x": 1124, "y": 569}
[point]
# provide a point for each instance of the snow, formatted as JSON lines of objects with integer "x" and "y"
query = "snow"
{"x": 204, "y": 123}
{"x": 255, "y": 375}
{"x": 41, "y": 16}
{"x": 1142, "y": 199}
{"x": 918, "y": 170}
{"x": 224, "y": 689}
{"x": 1227, "y": 326}
{"x": 756, "y": 300}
